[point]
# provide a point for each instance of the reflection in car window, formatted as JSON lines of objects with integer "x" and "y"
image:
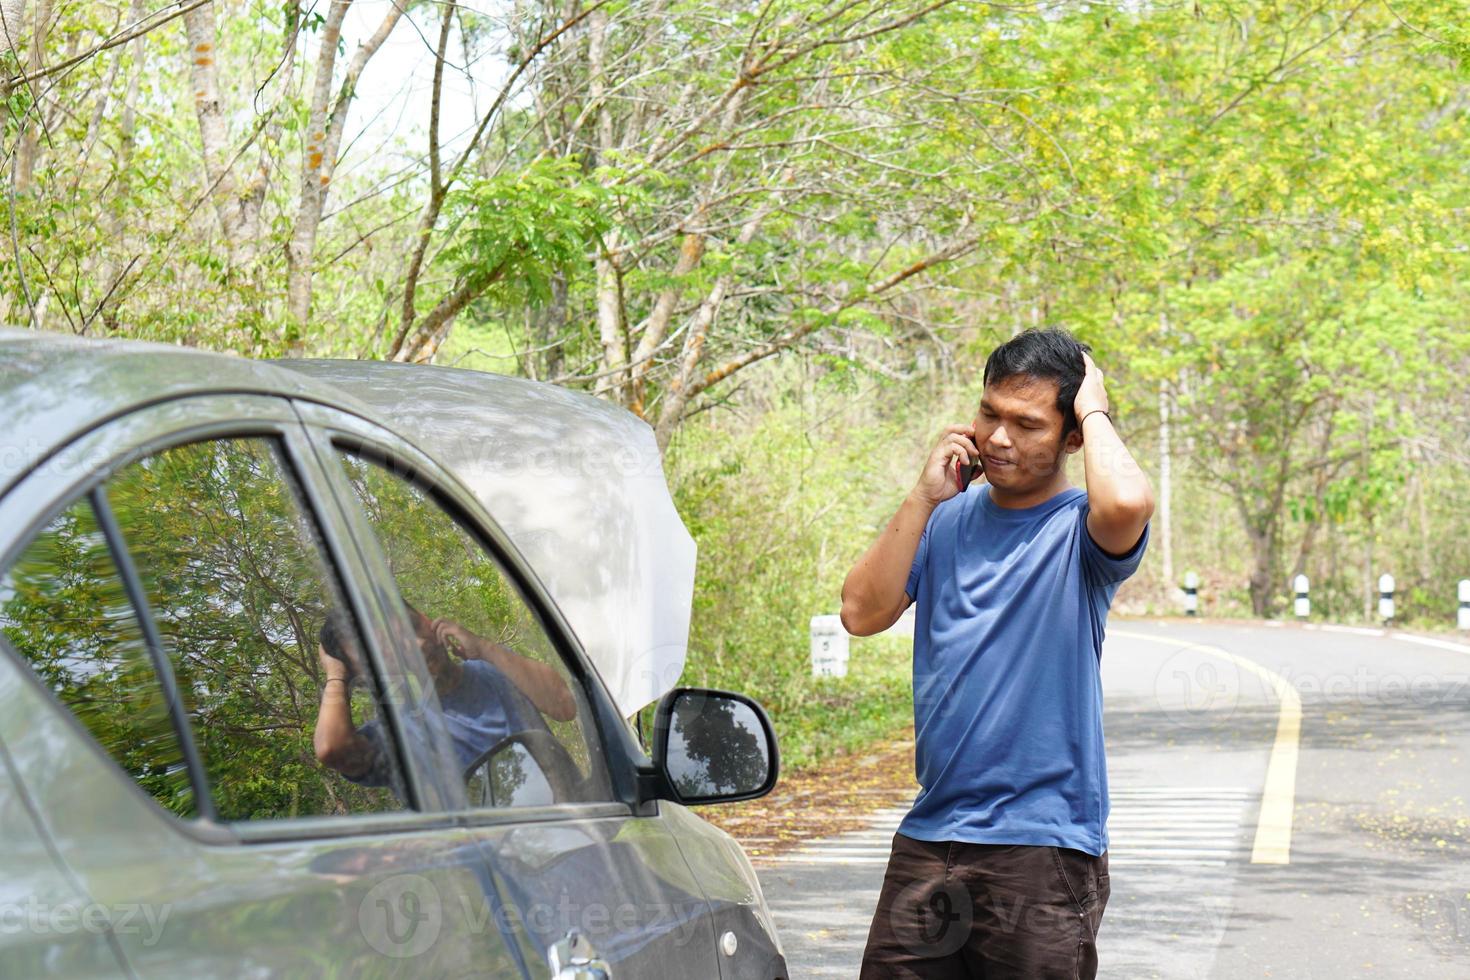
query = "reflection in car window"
{"x": 498, "y": 679}
{"x": 64, "y": 608}
{"x": 234, "y": 574}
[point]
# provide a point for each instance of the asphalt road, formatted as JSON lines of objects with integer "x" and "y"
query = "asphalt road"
{"x": 1249, "y": 838}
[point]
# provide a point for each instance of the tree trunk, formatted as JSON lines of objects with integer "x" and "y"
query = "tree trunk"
{"x": 214, "y": 137}
{"x": 1263, "y": 570}
{"x": 1262, "y": 530}
{"x": 1166, "y": 468}
{"x": 112, "y": 271}
{"x": 326, "y": 122}
{"x": 1324, "y": 476}
{"x": 13, "y": 26}
{"x": 12, "y": 38}
{"x": 28, "y": 144}
{"x": 1370, "y": 587}
{"x": 1426, "y": 564}
{"x": 677, "y": 399}
{"x": 610, "y": 323}
{"x": 544, "y": 328}
{"x": 1166, "y": 491}
{"x": 609, "y": 285}
{"x": 691, "y": 251}
{"x": 681, "y": 390}
{"x": 313, "y": 194}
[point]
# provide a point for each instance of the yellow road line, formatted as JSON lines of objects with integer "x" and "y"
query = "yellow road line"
{"x": 1278, "y": 797}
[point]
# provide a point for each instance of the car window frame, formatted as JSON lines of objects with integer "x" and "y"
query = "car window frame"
{"x": 99, "y": 452}
{"x": 332, "y": 430}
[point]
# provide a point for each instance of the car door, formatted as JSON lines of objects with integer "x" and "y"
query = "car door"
{"x": 162, "y": 689}
{"x": 539, "y": 757}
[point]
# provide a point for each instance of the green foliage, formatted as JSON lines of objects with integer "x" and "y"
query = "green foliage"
{"x": 518, "y": 230}
{"x": 65, "y": 610}
{"x": 1252, "y": 210}
{"x": 235, "y": 582}
{"x": 780, "y": 509}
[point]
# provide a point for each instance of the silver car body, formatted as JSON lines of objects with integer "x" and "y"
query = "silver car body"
{"x": 101, "y": 881}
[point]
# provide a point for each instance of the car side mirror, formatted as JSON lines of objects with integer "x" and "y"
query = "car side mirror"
{"x": 508, "y": 775}
{"x": 714, "y": 746}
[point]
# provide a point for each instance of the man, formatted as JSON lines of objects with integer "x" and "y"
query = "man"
{"x": 491, "y": 693}
{"x": 1000, "y": 868}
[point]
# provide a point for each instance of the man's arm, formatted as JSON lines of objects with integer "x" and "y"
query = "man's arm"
{"x": 541, "y": 683}
{"x": 336, "y": 740}
{"x": 873, "y": 595}
{"x": 1120, "y": 500}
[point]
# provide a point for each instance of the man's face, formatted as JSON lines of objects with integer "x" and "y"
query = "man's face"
{"x": 436, "y": 657}
{"x": 1018, "y": 430}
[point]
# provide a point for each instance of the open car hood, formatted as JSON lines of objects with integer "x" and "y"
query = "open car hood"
{"x": 576, "y": 483}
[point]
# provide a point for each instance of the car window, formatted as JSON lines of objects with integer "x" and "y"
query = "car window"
{"x": 65, "y": 610}
{"x": 502, "y": 689}
{"x": 266, "y": 659}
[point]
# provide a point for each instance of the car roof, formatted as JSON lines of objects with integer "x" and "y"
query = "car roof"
{"x": 576, "y": 483}
{"x": 54, "y": 387}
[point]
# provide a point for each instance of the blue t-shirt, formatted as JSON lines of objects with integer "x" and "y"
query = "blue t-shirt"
{"x": 481, "y": 710}
{"x": 1008, "y": 629}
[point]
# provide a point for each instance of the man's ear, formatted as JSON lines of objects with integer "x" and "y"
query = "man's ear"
{"x": 1073, "y": 442}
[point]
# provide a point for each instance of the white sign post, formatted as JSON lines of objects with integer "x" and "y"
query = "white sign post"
{"x": 1464, "y": 615}
{"x": 1303, "y": 602}
{"x": 829, "y": 647}
{"x": 1385, "y": 598}
{"x": 1191, "y": 594}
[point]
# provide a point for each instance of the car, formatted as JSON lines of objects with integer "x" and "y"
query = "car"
{"x": 338, "y": 668}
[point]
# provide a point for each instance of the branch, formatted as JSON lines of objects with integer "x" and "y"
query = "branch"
{"x": 448, "y": 307}
{"x": 435, "y": 203}
{"x": 150, "y": 23}
{"x": 436, "y": 94}
{"x": 789, "y": 338}
{"x": 1282, "y": 64}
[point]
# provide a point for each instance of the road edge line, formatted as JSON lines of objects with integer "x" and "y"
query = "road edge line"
{"x": 1431, "y": 641}
{"x": 1278, "y": 794}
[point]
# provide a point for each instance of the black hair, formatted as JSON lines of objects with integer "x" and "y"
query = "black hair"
{"x": 331, "y": 636}
{"x": 1050, "y": 354}
{"x": 337, "y": 628}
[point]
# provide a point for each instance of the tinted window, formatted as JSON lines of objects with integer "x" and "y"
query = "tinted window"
{"x": 65, "y": 610}
{"x": 498, "y": 678}
{"x": 234, "y": 575}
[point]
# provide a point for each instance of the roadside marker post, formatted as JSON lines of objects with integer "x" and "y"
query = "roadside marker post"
{"x": 1464, "y": 616}
{"x": 829, "y": 647}
{"x": 1303, "y": 602}
{"x": 1191, "y": 594}
{"x": 1385, "y": 598}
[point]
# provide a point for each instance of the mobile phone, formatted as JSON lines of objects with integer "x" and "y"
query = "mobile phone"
{"x": 965, "y": 473}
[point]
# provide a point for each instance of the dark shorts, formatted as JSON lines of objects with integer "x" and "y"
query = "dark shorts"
{"x": 993, "y": 911}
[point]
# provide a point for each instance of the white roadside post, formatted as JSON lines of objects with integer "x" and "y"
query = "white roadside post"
{"x": 829, "y": 647}
{"x": 1385, "y": 598}
{"x": 1464, "y": 614}
{"x": 1191, "y": 594}
{"x": 1303, "y": 603}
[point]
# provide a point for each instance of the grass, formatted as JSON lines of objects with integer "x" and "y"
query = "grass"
{"x": 827, "y": 716}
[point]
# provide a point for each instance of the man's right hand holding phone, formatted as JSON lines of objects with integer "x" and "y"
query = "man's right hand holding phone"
{"x": 873, "y": 595}
{"x": 953, "y": 463}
